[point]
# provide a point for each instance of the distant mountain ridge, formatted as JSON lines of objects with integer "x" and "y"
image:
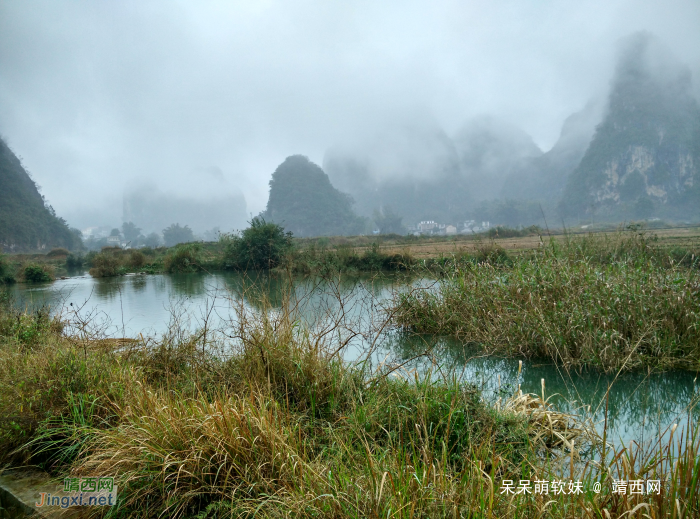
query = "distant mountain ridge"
{"x": 411, "y": 168}
{"x": 543, "y": 178}
{"x": 644, "y": 158}
{"x": 491, "y": 153}
{"x": 25, "y": 222}
{"x": 634, "y": 156}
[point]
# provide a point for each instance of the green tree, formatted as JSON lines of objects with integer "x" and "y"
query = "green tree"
{"x": 152, "y": 240}
{"x": 262, "y": 246}
{"x": 176, "y": 234}
{"x": 130, "y": 231}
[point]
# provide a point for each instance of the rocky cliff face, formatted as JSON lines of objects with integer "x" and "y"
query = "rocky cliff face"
{"x": 644, "y": 158}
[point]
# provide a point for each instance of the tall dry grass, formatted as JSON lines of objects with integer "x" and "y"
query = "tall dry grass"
{"x": 276, "y": 425}
{"x": 590, "y": 302}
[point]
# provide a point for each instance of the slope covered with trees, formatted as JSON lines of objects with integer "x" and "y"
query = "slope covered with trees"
{"x": 644, "y": 158}
{"x": 303, "y": 201}
{"x": 26, "y": 223}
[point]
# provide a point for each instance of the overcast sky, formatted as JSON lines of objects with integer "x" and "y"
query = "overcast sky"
{"x": 96, "y": 95}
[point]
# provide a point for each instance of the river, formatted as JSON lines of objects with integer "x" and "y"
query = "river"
{"x": 640, "y": 405}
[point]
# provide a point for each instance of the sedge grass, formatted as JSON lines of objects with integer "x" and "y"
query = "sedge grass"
{"x": 587, "y": 302}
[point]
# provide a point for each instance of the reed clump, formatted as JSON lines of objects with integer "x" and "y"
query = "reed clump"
{"x": 601, "y": 302}
{"x": 114, "y": 261}
{"x": 106, "y": 264}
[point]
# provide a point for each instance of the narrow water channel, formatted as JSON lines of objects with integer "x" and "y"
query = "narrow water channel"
{"x": 640, "y": 406}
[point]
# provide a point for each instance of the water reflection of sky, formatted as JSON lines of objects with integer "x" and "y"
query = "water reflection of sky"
{"x": 639, "y": 404}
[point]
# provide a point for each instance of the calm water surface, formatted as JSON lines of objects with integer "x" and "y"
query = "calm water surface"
{"x": 640, "y": 405}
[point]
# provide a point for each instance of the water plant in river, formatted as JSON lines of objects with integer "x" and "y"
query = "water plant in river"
{"x": 105, "y": 264}
{"x": 583, "y": 302}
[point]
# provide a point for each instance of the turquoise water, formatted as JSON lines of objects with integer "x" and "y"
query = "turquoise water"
{"x": 640, "y": 406}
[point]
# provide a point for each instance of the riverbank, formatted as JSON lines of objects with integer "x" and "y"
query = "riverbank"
{"x": 280, "y": 425}
{"x": 429, "y": 255}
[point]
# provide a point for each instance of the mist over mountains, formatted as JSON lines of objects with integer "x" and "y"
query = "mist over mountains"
{"x": 634, "y": 155}
{"x": 644, "y": 158}
{"x": 205, "y": 201}
{"x": 543, "y": 177}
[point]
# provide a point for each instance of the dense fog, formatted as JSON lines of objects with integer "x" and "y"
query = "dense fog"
{"x": 181, "y": 111}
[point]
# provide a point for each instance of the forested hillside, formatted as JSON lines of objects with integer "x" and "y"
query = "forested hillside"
{"x": 25, "y": 222}
{"x": 644, "y": 159}
{"x": 304, "y": 202}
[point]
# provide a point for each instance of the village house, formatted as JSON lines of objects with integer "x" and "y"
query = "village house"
{"x": 427, "y": 226}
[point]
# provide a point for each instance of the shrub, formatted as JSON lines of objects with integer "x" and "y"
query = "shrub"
{"x": 105, "y": 265}
{"x": 262, "y": 246}
{"x": 6, "y": 274}
{"x": 374, "y": 260}
{"x": 27, "y": 328}
{"x": 136, "y": 259}
{"x": 509, "y": 232}
{"x": 185, "y": 258}
{"x": 493, "y": 254}
{"x": 34, "y": 273}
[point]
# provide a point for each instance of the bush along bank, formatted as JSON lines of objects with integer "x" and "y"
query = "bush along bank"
{"x": 262, "y": 247}
{"x": 609, "y": 303}
{"x": 281, "y": 427}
